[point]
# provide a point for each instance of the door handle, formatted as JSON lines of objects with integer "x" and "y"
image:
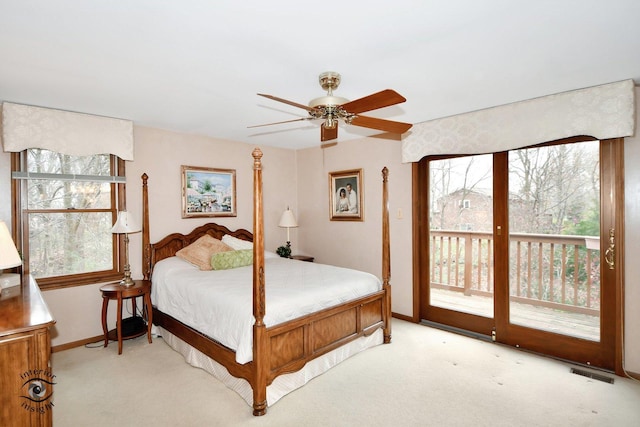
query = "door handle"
{"x": 610, "y": 253}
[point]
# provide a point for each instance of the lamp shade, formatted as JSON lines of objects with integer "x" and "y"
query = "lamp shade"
{"x": 287, "y": 219}
{"x": 125, "y": 224}
{"x": 9, "y": 256}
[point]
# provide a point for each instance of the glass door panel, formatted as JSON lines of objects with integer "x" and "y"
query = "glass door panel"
{"x": 460, "y": 235}
{"x": 554, "y": 239}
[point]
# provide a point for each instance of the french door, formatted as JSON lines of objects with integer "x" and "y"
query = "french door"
{"x": 521, "y": 246}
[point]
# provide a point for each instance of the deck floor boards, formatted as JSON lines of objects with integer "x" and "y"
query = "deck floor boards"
{"x": 558, "y": 321}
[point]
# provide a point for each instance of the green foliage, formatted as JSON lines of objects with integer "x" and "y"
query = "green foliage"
{"x": 284, "y": 251}
{"x": 589, "y": 225}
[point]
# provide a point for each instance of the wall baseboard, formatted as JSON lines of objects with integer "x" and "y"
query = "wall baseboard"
{"x": 634, "y": 375}
{"x": 98, "y": 338}
{"x": 74, "y": 344}
{"x": 403, "y": 317}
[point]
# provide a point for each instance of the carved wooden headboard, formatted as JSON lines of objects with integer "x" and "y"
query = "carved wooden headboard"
{"x": 169, "y": 245}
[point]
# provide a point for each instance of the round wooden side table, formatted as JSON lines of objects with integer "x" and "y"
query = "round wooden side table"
{"x": 140, "y": 288}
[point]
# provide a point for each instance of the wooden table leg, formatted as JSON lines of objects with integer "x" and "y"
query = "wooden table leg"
{"x": 119, "y": 323}
{"x": 149, "y": 310}
{"x": 105, "y": 304}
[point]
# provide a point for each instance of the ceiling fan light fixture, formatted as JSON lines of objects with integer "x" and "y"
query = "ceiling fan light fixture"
{"x": 330, "y": 123}
{"x": 327, "y": 100}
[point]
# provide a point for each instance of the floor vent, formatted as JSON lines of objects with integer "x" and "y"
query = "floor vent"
{"x": 603, "y": 378}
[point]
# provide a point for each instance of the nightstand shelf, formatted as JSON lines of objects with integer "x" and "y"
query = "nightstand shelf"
{"x": 131, "y": 327}
{"x": 303, "y": 258}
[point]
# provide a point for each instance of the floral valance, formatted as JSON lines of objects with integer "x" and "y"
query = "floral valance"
{"x": 25, "y": 126}
{"x": 605, "y": 111}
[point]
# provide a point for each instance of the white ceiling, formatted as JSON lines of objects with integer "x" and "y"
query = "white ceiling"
{"x": 196, "y": 65}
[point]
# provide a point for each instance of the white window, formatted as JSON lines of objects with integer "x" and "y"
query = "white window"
{"x": 66, "y": 206}
{"x": 465, "y": 204}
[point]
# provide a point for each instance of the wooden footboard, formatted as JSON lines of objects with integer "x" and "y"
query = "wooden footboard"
{"x": 287, "y": 347}
{"x": 292, "y": 344}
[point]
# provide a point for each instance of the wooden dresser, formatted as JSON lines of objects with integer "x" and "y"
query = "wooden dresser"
{"x": 26, "y": 394}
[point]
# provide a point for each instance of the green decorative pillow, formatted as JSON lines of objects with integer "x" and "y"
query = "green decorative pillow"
{"x": 232, "y": 259}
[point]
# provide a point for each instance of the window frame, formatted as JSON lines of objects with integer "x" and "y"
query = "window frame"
{"x": 20, "y": 225}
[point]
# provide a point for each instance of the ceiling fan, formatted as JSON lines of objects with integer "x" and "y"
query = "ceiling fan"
{"x": 332, "y": 109}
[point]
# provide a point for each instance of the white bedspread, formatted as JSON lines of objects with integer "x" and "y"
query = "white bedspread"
{"x": 219, "y": 303}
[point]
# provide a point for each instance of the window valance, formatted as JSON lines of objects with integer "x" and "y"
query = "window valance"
{"x": 605, "y": 111}
{"x": 25, "y": 126}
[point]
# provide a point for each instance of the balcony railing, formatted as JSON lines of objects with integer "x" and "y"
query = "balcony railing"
{"x": 554, "y": 271}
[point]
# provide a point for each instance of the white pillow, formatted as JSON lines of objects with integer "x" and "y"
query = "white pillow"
{"x": 239, "y": 245}
{"x": 235, "y": 243}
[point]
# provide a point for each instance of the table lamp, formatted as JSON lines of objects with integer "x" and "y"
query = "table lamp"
{"x": 125, "y": 224}
{"x": 287, "y": 220}
{"x": 9, "y": 258}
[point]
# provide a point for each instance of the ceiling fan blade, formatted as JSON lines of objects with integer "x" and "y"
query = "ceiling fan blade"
{"x": 295, "y": 104}
{"x": 381, "y": 124}
{"x": 277, "y": 123}
{"x": 327, "y": 134}
{"x": 377, "y": 100}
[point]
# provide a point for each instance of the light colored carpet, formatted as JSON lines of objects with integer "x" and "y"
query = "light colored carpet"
{"x": 426, "y": 377}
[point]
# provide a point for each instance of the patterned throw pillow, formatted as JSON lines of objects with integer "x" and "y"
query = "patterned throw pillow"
{"x": 199, "y": 252}
{"x": 232, "y": 259}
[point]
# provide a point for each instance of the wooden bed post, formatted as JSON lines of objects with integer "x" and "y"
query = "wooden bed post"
{"x": 260, "y": 343}
{"x": 146, "y": 256}
{"x": 386, "y": 256}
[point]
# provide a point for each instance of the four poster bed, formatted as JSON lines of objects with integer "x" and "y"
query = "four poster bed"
{"x": 283, "y": 339}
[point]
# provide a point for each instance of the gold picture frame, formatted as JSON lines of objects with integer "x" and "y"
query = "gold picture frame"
{"x": 346, "y": 195}
{"x": 208, "y": 192}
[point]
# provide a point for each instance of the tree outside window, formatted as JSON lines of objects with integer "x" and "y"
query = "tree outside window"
{"x": 69, "y": 204}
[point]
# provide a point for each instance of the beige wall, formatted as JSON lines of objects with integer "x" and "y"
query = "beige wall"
{"x": 160, "y": 154}
{"x": 300, "y": 179}
{"x": 358, "y": 244}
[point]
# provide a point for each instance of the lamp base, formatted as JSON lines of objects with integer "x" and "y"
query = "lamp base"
{"x": 127, "y": 281}
{"x": 8, "y": 280}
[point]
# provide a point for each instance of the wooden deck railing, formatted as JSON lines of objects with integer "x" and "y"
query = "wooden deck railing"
{"x": 554, "y": 271}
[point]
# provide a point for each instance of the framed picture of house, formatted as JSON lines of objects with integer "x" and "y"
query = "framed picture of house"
{"x": 208, "y": 192}
{"x": 346, "y": 195}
